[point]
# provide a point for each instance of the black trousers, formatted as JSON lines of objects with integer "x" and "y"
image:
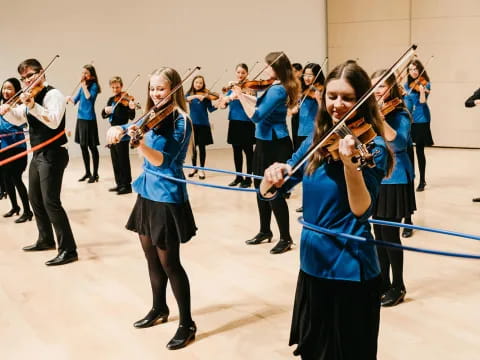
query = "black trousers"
{"x": 121, "y": 163}
{"x": 45, "y": 184}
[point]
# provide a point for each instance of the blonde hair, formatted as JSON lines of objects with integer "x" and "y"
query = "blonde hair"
{"x": 115, "y": 79}
{"x": 173, "y": 79}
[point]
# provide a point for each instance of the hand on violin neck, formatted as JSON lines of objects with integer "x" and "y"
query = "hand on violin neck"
{"x": 27, "y": 100}
{"x": 69, "y": 99}
{"x": 274, "y": 176}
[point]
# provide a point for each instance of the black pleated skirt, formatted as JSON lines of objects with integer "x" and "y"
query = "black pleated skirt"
{"x": 421, "y": 134}
{"x": 269, "y": 151}
{"x": 335, "y": 319}
{"x": 395, "y": 201}
{"x": 86, "y": 133}
{"x": 167, "y": 224}
{"x": 241, "y": 132}
{"x": 203, "y": 135}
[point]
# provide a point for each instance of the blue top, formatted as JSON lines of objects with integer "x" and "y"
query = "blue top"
{"x": 402, "y": 172}
{"x": 325, "y": 204}
{"x": 173, "y": 142}
{"x": 271, "y": 114}
{"x": 199, "y": 111}
{"x": 308, "y": 112}
{"x": 7, "y": 128}
{"x": 86, "y": 108}
{"x": 235, "y": 109}
{"x": 420, "y": 112}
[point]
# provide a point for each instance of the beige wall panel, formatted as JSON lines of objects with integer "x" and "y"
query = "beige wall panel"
{"x": 445, "y": 8}
{"x": 341, "y": 11}
{"x": 446, "y": 30}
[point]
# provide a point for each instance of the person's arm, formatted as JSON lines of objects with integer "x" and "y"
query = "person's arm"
{"x": 85, "y": 90}
{"x": 16, "y": 116}
{"x": 389, "y": 133}
{"x": 248, "y": 102}
{"x": 473, "y": 100}
{"x": 52, "y": 111}
{"x": 402, "y": 134}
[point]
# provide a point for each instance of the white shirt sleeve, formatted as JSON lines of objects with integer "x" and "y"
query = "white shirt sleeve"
{"x": 51, "y": 113}
{"x": 17, "y": 115}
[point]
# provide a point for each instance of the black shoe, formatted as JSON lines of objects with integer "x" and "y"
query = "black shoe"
{"x": 393, "y": 297}
{"x": 406, "y": 233}
{"x": 192, "y": 173}
{"x": 246, "y": 183}
{"x": 282, "y": 246}
{"x": 39, "y": 247}
{"x": 3, "y": 195}
{"x": 421, "y": 186}
{"x": 124, "y": 190}
{"x": 151, "y": 318}
{"x": 12, "y": 212}
{"x": 300, "y": 209}
{"x": 63, "y": 257}
{"x": 113, "y": 189}
{"x": 93, "y": 179}
{"x": 183, "y": 337}
{"x": 258, "y": 239}
{"x": 85, "y": 177}
{"x": 26, "y": 216}
{"x": 238, "y": 180}
{"x": 476, "y": 199}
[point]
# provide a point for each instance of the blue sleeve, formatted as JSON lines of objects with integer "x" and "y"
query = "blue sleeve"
{"x": 210, "y": 106}
{"x": 297, "y": 177}
{"x": 93, "y": 91}
{"x": 175, "y": 143}
{"x": 403, "y": 133}
{"x": 76, "y": 98}
{"x": 274, "y": 97}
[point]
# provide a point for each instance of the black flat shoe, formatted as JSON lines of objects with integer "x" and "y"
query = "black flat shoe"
{"x": 282, "y": 246}
{"x": 421, "y": 186}
{"x": 406, "y": 233}
{"x": 124, "y": 190}
{"x": 184, "y": 336}
{"x": 151, "y": 318}
{"x": 113, "y": 189}
{"x": 39, "y": 247}
{"x": 393, "y": 297}
{"x": 93, "y": 179}
{"x": 63, "y": 257}
{"x": 246, "y": 183}
{"x": 238, "y": 180}
{"x": 12, "y": 212}
{"x": 476, "y": 199}
{"x": 193, "y": 173}
{"x": 85, "y": 177}
{"x": 259, "y": 238}
{"x": 300, "y": 209}
{"x": 26, "y": 216}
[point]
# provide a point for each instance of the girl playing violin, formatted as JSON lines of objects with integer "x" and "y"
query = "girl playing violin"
{"x": 418, "y": 89}
{"x": 269, "y": 113}
{"x": 396, "y": 198}
{"x": 119, "y": 111}
{"x": 13, "y": 171}
{"x": 297, "y": 72}
{"x": 200, "y": 103}
{"x": 241, "y": 131}
{"x": 86, "y": 131}
{"x": 337, "y": 302}
{"x": 162, "y": 215}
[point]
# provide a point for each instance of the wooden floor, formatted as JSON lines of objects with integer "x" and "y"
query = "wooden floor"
{"x": 241, "y": 295}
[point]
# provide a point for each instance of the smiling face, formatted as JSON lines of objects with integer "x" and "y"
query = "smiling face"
{"x": 159, "y": 88}
{"x": 8, "y": 90}
{"x": 116, "y": 87}
{"x": 198, "y": 84}
{"x": 413, "y": 71}
{"x": 339, "y": 99}
{"x": 308, "y": 76}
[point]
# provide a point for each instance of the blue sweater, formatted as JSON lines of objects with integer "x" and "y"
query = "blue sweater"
{"x": 235, "y": 110}
{"x": 308, "y": 112}
{"x": 7, "y": 128}
{"x": 86, "y": 108}
{"x": 199, "y": 111}
{"x": 420, "y": 112}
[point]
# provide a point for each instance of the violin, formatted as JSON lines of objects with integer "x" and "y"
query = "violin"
{"x": 390, "y": 105}
{"x": 242, "y": 86}
{"x": 310, "y": 91}
{"x": 257, "y": 85}
{"x": 151, "y": 120}
{"x": 208, "y": 94}
{"x": 124, "y": 99}
{"x": 415, "y": 85}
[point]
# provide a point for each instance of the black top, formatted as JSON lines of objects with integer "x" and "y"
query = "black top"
{"x": 121, "y": 113}
{"x": 471, "y": 100}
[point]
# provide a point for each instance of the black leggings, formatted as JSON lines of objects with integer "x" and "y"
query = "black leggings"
{"x": 203, "y": 155}
{"x": 422, "y": 161}
{"x": 14, "y": 181}
{"x": 390, "y": 257}
{"x": 164, "y": 265}
{"x": 86, "y": 158}
{"x": 238, "y": 157}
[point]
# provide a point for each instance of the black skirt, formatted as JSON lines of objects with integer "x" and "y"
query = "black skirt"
{"x": 269, "y": 151}
{"x": 86, "y": 133}
{"x": 395, "y": 201}
{"x": 203, "y": 135}
{"x": 421, "y": 134}
{"x": 167, "y": 224}
{"x": 241, "y": 132}
{"x": 335, "y": 319}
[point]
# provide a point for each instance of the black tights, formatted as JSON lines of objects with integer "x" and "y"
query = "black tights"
{"x": 86, "y": 158}
{"x": 164, "y": 265}
{"x": 390, "y": 257}
{"x": 14, "y": 181}
{"x": 238, "y": 157}
{"x": 203, "y": 155}
{"x": 422, "y": 161}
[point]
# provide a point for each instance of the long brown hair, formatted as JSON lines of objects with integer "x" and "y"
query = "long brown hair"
{"x": 173, "y": 78}
{"x": 192, "y": 90}
{"x": 93, "y": 73}
{"x": 358, "y": 79}
{"x": 417, "y": 63}
{"x": 284, "y": 71}
{"x": 391, "y": 82}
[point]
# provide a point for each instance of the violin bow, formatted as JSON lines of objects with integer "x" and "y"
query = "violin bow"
{"x": 313, "y": 82}
{"x": 219, "y": 78}
{"x": 126, "y": 92}
{"x": 417, "y": 79}
{"x": 337, "y": 127}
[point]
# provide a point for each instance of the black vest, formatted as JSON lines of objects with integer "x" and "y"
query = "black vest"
{"x": 39, "y": 132}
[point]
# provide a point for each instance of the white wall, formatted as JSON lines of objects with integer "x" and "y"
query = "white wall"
{"x": 139, "y": 36}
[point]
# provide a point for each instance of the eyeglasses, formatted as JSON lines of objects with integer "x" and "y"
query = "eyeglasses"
{"x": 28, "y": 76}
{"x": 308, "y": 75}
